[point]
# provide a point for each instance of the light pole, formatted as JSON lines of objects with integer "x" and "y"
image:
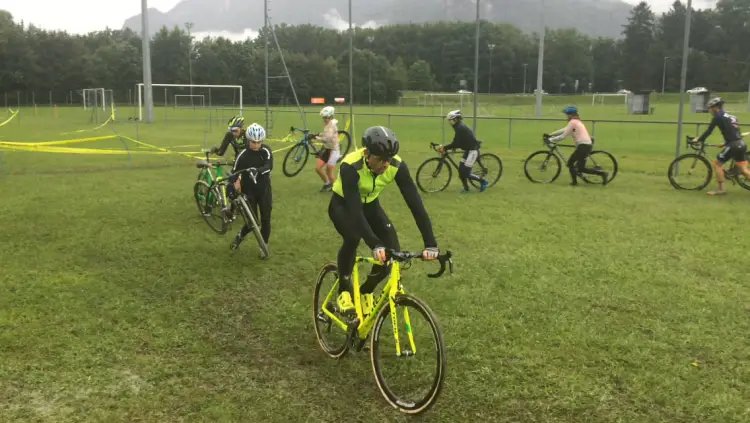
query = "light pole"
{"x": 489, "y": 78}
{"x": 525, "y": 67}
{"x": 476, "y": 71}
{"x": 664, "y": 75}
{"x": 683, "y": 80}
{"x": 540, "y": 65}
{"x": 370, "y": 39}
{"x": 189, "y": 26}
{"x": 146, "y": 43}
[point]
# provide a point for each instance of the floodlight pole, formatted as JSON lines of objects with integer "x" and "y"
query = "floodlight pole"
{"x": 146, "y": 42}
{"x": 370, "y": 39}
{"x": 476, "y": 71}
{"x": 664, "y": 75}
{"x": 189, "y": 26}
{"x": 540, "y": 65}
{"x": 351, "y": 70}
{"x": 683, "y": 80}
{"x": 265, "y": 36}
{"x": 525, "y": 68}
{"x": 489, "y": 78}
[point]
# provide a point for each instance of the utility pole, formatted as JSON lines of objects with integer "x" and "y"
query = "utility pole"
{"x": 370, "y": 39}
{"x": 189, "y": 26}
{"x": 489, "y": 79}
{"x": 146, "y": 43}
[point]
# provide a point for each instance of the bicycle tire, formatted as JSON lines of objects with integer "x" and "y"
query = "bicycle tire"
{"x": 250, "y": 220}
{"x": 697, "y": 158}
{"x": 335, "y": 352}
{"x": 547, "y": 155}
{"x": 742, "y": 180}
{"x": 431, "y": 397}
{"x": 603, "y": 157}
{"x": 482, "y": 160}
{"x": 210, "y": 196}
{"x": 347, "y": 141}
{"x": 442, "y": 163}
{"x": 293, "y": 153}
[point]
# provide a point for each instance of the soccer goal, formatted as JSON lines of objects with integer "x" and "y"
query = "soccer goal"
{"x": 97, "y": 98}
{"x": 190, "y": 100}
{"x": 186, "y": 95}
{"x": 609, "y": 98}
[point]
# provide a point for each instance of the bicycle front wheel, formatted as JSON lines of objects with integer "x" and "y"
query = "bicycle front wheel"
{"x": 542, "y": 167}
{"x": 252, "y": 222}
{"x": 345, "y": 143}
{"x": 434, "y": 175}
{"x": 690, "y": 172}
{"x": 602, "y": 161}
{"x": 295, "y": 160}
{"x": 211, "y": 207}
{"x": 332, "y": 339}
{"x": 412, "y": 380}
{"x": 488, "y": 167}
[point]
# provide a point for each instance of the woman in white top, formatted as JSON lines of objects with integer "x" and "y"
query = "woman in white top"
{"x": 330, "y": 153}
{"x": 577, "y": 161}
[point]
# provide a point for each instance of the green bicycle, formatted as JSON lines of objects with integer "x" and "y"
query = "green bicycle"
{"x": 412, "y": 397}
{"x": 217, "y": 191}
{"x": 213, "y": 204}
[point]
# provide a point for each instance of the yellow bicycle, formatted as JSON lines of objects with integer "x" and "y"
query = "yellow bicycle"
{"x": 407, "y": 390}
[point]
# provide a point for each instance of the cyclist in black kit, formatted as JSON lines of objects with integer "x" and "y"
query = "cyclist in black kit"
{"x": 259, "y": 157}
{"x": 734, "y": 148}
{"x": 235, "y": 137}
{"x": 464, "y": 139}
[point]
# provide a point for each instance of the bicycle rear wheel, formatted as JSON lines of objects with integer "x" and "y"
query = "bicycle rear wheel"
{"x": 251, "y": 221}
{"x": 333, "y": 340}
{"x": 431, "y": 173}
{"x": 601, "y": 161}
{"x": 546, "y": 164}
{"x": 295, "y": 160}
{"x": 211, "y": 207}
{"x": 488, "y": 167}
{"x": 411, "y": 391}
{"x": 694, "y": 174}
{"x": 740, "y": 178}
{"x": 345, "y": 143}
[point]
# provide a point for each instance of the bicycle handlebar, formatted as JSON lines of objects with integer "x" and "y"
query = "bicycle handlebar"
{"x": 405, "y": 256}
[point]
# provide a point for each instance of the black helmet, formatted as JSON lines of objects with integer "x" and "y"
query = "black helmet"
{"x": 380, "y": 141}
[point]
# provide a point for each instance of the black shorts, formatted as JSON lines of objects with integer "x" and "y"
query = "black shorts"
{"x": 736, "y": 151}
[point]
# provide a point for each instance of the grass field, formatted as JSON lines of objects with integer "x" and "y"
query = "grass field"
{"x": 627, "y": 303}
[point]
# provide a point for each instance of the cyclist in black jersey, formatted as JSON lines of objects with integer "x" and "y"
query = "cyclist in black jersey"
{"x": 734, "y": 147}
{"x": 464, "y": 139}
{"x": 235, "y": 137}
{"x": 356, "y": 212}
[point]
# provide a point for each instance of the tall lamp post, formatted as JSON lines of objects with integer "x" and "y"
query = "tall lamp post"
{"x": 489, "y": 78}
{"x": 525, "y": 67}
{"x": 189, "y": 26}
{"x": 370, "y": 39}
{"x": 664, "y": 75}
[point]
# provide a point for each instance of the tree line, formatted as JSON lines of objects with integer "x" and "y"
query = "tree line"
{"x": 423, "y": 57}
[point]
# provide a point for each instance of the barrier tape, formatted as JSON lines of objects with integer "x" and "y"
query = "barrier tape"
{"x": 111, "y": 117}
{"x": 48, "y": 143}
{"x": 12, "y": 116}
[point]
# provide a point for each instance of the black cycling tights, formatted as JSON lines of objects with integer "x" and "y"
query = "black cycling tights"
{"x": 261, "y": 201}
{"x": 577, "y": 162}
{"x": 346, "y": 227}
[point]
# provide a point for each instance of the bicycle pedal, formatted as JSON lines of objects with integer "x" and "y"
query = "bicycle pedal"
{"x": 323, "y": 318}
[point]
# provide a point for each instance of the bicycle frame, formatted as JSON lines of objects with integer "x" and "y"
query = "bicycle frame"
{"x": 730, "y": 173}
{"x": 447, "y": 155}
{"x": 392, "y": 288}
{"x": 211, "y": 178}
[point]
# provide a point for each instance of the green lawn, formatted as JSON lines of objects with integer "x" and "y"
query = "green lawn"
{"x": 627, "y": 303}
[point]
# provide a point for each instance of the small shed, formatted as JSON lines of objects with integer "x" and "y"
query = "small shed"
{"x": 639, "y": 103}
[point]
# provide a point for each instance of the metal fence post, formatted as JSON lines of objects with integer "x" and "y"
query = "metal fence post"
{"x": 442, "y": 141}
{"x": 510, "y": 133}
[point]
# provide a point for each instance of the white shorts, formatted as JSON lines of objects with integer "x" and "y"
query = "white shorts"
{"x": 330, "y": 157}
{"x": 470, "y": 157}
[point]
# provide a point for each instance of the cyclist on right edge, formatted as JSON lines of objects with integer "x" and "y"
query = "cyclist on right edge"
{"x": 356, "y": 212}
{"x": 464, "y": 139}
{"x": 733, "y": 148}
{"x": 584, "y": 145}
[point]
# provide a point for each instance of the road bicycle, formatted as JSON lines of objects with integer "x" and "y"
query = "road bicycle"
{"x": 309, "y": 146}
{"x": 550, "y": 162}
{"x": 337, "y": 335}
{"x": 695, "y": 171}
{"x": 213, "y": 205}
{"x": 214, "y": 191}
{"x": 435, "y": 174}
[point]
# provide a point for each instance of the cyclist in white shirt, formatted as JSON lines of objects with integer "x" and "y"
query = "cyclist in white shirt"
{"x": 330, "y": 153}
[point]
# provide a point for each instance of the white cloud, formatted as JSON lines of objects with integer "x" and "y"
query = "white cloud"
{"x": 234, "y": 36}
{"x": 334, "y": 19}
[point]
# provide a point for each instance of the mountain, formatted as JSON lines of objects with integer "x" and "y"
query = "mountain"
{"x": 592, "y": 17}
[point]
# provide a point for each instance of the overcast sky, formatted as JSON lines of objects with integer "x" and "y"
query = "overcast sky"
{"x": 82, "y": 16}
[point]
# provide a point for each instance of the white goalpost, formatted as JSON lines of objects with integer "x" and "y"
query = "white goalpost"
{"x": 600, "y": 97}
{"x": 97, "y": 98}
{"x": 236, "y": 94}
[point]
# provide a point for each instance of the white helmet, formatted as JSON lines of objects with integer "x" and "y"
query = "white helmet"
{"x": 455, "y": 114}
{"x": 256, "y": 133}
{"x": 327, "y": 112}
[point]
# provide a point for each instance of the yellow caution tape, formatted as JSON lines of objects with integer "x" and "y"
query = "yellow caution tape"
{"x": 111, "y": 117}
{"x": 12, "y": 116}
{"x": 75, "y": 141}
